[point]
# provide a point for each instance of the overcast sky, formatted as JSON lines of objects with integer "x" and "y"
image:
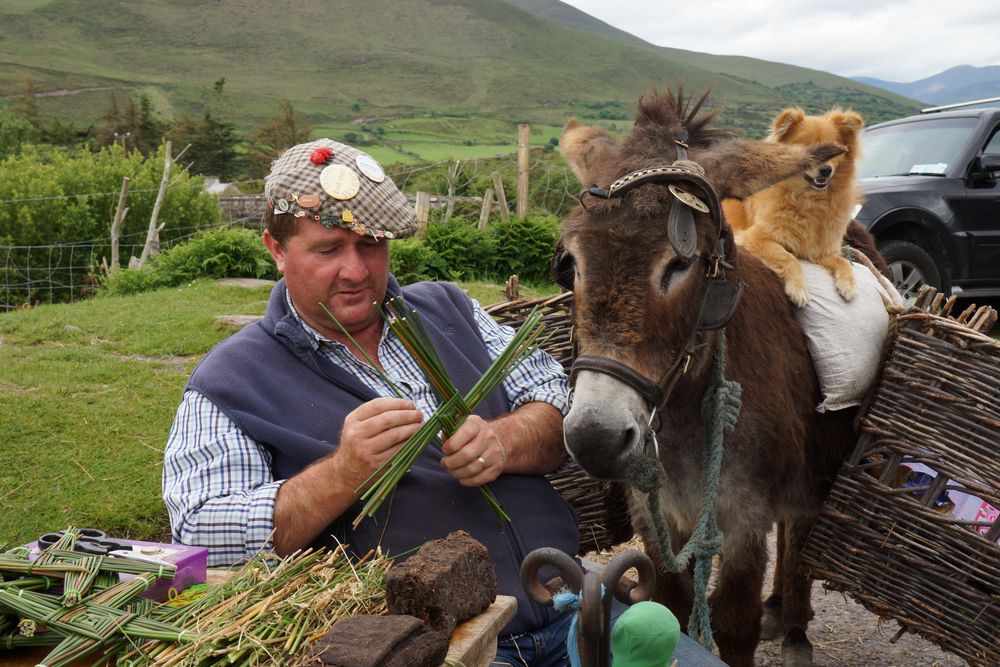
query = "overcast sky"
{"x": 894, "y": 40}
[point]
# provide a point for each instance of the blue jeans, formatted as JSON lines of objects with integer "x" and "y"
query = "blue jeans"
{"x": 547, "y": 647}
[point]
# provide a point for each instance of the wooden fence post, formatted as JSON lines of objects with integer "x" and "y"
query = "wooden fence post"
{"x": 523, "y": 164}
{"x": 484, "y": 212}
{"x": 452, "y": 177}
{"x": 501, "y": 197}
{"x": 116, "y": 225}
{"x": 423, "y": 207}
{"x": 152, "y": 234}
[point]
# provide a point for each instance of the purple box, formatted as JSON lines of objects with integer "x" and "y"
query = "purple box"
{"x": 191, "y": 564}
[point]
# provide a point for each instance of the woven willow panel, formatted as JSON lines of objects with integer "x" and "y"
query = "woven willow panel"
{"x": 900, "y": 532}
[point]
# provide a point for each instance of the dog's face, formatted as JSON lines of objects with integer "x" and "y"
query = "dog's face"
{"x": 793, "y": 126}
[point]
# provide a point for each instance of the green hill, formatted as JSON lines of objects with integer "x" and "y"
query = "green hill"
{"x": 349, "y": 63}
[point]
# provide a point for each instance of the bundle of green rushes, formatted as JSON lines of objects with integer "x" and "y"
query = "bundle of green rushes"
{"x": 270, "y": 612}
{"x": 454, "y": 408}
{"x": 94, "y": 613}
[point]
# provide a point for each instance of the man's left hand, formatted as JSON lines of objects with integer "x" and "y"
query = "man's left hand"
{"x": 474, "y": 455}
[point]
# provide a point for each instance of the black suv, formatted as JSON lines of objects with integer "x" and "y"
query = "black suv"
{"x": 932, "y": 198}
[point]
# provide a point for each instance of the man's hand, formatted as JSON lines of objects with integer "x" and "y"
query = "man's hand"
{"x": 474, "y": 454}
{"x": 371, "y": 435}
{"x": 525, "y": 441}
{"x": 311, "y": 500}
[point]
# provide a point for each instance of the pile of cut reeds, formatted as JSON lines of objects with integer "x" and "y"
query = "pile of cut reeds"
{"x": 269, "y": 612}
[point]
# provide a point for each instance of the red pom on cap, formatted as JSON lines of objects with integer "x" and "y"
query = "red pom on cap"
{"x": 320, "y": 155}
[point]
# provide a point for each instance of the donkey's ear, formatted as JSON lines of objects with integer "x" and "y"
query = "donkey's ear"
{"x": 785, "y": 122}
{"x": 741, "y": 167}
{"x": 584, "y": 147}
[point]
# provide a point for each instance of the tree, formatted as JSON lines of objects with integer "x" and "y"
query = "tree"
{"x": 149, "y": 129}
{"x": 111, "y": 123}
{"x": 211, "y": 139}
{"x": 269, "y": 139}
{"x": 137, "y": 127}
{"x": 212, "y": 142}
{"x": 45, "y": 130}
{"x": 26, "y": 105}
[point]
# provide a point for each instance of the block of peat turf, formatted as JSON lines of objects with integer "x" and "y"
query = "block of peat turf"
{"x": 445, "y": 583}
{"x": 381, "y": 641}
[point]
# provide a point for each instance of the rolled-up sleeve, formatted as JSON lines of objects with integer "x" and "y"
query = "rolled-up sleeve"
{"x": 538, "y": 378}
{"x": 217, "y": 484}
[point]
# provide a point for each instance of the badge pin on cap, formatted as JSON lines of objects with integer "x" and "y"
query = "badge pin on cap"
{"x": 339, "y": 182}
{"x": 309, "y": 201}
{"x": 370, "y": 168}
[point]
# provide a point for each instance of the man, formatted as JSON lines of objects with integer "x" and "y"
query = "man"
{"x": 281, "y": 424}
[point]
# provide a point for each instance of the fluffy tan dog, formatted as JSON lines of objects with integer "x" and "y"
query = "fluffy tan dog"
{"x": 805, "y": 217}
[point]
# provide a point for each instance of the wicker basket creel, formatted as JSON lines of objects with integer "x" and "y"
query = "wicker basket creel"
{"x": 910, "y": 528}
{"x": 600, "y": 506}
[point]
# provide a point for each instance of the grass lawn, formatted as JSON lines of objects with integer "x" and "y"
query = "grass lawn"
{"x": 88, "y": 392}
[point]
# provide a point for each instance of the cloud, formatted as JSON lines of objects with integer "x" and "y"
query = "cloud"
{"x": 900, "y": 40}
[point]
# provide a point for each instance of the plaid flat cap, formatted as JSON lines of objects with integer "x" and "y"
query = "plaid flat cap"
{"x": 339, "y": 186}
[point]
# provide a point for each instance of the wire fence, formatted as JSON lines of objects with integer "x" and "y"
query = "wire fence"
{"x": 64, "y": 272}
{"x": 71, "y": 270}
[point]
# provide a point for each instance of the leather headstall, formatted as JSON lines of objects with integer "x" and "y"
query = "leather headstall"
{"x": 720, "y": 296}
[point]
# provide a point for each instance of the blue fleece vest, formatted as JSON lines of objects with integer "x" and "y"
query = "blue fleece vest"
{"x": 269, "y": 380}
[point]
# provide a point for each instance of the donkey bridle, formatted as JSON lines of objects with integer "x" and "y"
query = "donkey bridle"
{"x": 720, "y": 295}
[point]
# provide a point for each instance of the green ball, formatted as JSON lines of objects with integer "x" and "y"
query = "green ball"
{"x": 644, "y": 636}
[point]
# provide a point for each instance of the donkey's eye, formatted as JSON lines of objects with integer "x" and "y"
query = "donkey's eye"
{"x": 675, "y": 270}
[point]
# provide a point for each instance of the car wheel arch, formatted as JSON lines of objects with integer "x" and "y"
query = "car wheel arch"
{"x": 924, "y": 231}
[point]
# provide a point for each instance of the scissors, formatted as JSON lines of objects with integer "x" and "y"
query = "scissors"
{"x": 89, "y": 541}
{"x": 96, "y": 542}
{"x": 594, "y": 640}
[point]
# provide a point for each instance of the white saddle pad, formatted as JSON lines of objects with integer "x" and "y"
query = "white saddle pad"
{"x": 845, "y": 338}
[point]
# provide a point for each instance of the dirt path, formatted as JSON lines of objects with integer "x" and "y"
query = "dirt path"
{"x": 844, "y": 633}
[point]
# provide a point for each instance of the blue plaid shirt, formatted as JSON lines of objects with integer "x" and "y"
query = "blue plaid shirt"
{"x": 217, "y": 481}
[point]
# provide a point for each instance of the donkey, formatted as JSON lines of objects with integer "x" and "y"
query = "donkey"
{"x": 656, "y": 278}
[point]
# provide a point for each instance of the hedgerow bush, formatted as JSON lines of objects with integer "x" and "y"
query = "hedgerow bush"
{"x": 466, "y": 252}
{"x": 523, "y": 246}
{"x": 457, "y": 250}
{"x": 411, "y": 260}
{"x": 53, "y": 196}
{"x": 221, "y": 253}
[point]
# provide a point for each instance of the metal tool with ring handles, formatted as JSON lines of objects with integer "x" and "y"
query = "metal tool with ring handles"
{"x": 96, "y": 542}
{"x": 595, "y": 608}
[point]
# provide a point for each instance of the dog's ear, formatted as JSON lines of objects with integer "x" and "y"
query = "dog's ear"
{"x": 849, "y": 120}
{"x": 585, "y": 147}
{"x": 785, "y": 122}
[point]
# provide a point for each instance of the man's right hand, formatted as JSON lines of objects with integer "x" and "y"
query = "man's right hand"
{"x": 311, "y": 500}
{"x": 371, "y": 435}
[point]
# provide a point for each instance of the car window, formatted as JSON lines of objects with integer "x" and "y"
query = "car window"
{"x": 924, "y": 146}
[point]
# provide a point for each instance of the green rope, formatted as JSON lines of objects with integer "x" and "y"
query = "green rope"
{"x": 720, "y": 409}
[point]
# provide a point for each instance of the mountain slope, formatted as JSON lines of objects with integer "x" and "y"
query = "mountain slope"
{"x": 957, "y": 84}
{"x": 767, "y": 73}
{"x": 375, "y": 59}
